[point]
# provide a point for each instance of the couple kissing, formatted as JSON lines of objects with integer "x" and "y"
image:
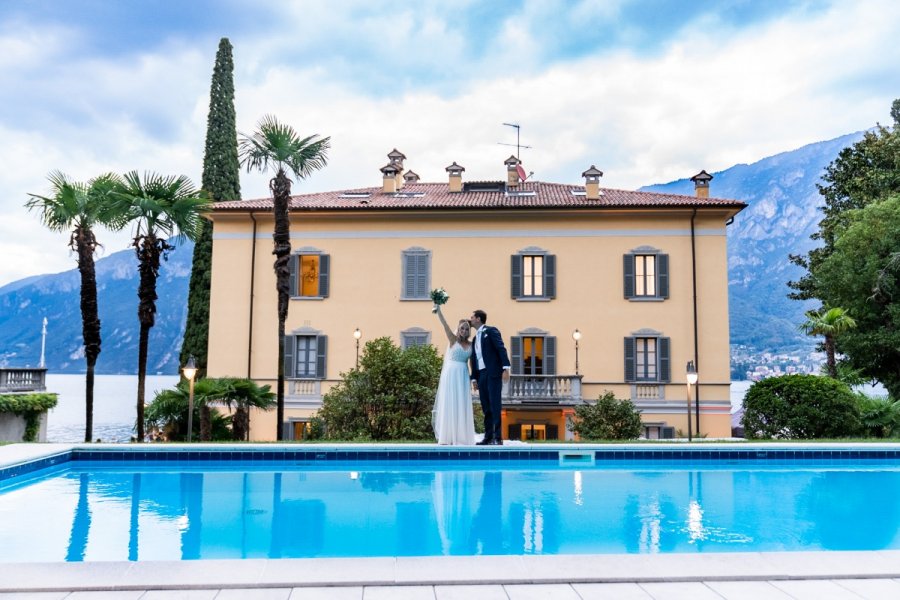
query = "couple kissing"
{"x": 452, "y": 417}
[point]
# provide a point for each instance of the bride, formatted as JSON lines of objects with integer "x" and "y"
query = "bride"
{"x": 452, "y": 417}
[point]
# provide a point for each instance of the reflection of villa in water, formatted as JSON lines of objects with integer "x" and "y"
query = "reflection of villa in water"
{"x": 157, "y": 515}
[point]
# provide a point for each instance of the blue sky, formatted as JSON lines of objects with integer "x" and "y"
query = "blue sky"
{"x": 649, "y": 90}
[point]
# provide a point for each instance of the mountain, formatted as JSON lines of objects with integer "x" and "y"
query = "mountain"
{"x": 25, "y": 303}
{"x": 783, "y": 212}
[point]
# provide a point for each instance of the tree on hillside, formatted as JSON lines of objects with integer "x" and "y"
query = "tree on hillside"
{"x": 862, "y": 274}
{"x": 276, "y": 145}
{"x": 221, "y": 181}
{"x": 78, "y": 208}
{"x": 160, "y": 207}
{"x": 830, "y": 324}
{"x": 866, "y": 172}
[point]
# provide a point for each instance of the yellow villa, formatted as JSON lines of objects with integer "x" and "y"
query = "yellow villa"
{"x": 594, "y": 289}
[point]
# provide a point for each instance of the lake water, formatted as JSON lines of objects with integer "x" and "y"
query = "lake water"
{"x": 115, "y": 401}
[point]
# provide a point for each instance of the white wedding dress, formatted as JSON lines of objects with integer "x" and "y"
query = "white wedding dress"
{"x": 452, "y": 417}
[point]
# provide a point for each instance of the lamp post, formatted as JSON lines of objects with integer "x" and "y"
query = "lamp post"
{"x": 357, "y": 334}
{"x": 190, "y": 371}
{"x": 576, "y": 335}
{"x": 691, "y": 371}
{"x": 43, "y": 343}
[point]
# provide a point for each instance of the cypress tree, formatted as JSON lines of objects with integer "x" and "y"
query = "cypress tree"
{"x": 221, "y": 180}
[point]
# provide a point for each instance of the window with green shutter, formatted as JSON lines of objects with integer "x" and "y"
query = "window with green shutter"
{"x": 533, "y": 274}
{"x": 533, "y": 352}
{"x": 647, "y": 358}
{"x": 645, "y": 273}
{"x": 414, "y": 336}
{"x": 416, "y": 265}
{"x": 310, "y": 273}
{"x": 305, "y": 356}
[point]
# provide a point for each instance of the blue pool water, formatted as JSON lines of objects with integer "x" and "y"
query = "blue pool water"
{"x": 115, "y": 510}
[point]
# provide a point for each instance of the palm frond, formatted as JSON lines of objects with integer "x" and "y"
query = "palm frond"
{"x": 279, "y": 146}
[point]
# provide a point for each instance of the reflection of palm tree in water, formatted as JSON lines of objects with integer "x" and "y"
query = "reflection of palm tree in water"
{"x": 81, "y": 524}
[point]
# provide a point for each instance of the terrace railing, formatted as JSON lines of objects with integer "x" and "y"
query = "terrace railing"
{"x": 23, "y": 380}
{"x": 550, "y": 389}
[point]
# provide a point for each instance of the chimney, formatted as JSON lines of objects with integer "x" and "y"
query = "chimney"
{"x": 396, "y": 157}
{"x": 455, "y": 177}
{"x": 701, "y": 184}
{"x": 592, "y": 183}
{"x": 411, "y": 177}
{"x": 389, "y": 183}
{"x": 512, "y": 172}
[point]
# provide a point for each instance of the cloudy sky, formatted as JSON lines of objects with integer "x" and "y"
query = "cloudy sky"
{"x": 647, "y": 90}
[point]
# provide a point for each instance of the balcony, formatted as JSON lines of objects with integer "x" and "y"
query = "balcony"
{"x": 543, "y": 389}
{"x": 23, "y": 380}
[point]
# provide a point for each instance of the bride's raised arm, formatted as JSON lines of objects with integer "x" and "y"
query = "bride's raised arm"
{"x": 451, "y": 335}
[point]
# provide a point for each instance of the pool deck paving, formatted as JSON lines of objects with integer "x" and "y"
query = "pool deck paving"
{"x": 738, "y": 575}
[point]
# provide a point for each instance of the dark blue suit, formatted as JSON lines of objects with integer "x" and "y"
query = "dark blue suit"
{"x": 490, "y": 382}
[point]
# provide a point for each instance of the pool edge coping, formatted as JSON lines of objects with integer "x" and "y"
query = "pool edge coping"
{"x": 452, "y": 570}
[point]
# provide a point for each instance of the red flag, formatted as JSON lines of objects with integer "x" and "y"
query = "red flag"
{"x": 521, "y": 172}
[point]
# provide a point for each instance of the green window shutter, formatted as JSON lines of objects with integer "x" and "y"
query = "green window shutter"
{"x": 321, "y": 353}
{"x": 409, "y": 276}
{"x": 662, "y": 270}
{"x": 422, "y": 276}
{"x": 515, "y": 349}
{"x": 293, "y": 265}
{"x": 290, "y": 342}
{"x": 629, "y": 359}
{"x": 664, "y": 362}
{"x": 287, "y": 430}
{"x": 550, "y": 276}
{"x": 628, "y": 272}
{"x": 514, "y": 431}
{"x": 324, "y": 267}
{"x": 550, "y": 355}
{"x": 515, "y": 271}
{"x": 552, "y": 432}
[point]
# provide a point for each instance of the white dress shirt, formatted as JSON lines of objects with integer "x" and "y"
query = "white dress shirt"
{"x": 478, "y": 348}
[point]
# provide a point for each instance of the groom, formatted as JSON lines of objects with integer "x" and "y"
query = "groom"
{"x": 490, "y": 370}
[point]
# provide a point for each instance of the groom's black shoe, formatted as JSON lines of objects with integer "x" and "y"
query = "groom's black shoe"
{"x": 484, "y": 442}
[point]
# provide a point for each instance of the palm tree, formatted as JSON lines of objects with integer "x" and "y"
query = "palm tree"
{"x": 161, "y": 208}
{"x": 240, "y": 395}
{"x": 830, "y": 324}
{"x": 279, "y": 146}
{"x": 78, "y": 208}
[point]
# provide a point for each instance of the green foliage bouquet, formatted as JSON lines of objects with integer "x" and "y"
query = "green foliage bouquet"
{"x": 439, "y": 297}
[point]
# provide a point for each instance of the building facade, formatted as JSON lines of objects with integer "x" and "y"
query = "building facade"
{"x": 593, "y": 289}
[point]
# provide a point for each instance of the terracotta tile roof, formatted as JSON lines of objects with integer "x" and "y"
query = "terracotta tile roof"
{"x": 530, "y": 195}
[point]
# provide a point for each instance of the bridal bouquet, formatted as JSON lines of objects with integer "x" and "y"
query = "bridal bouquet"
{"x": 439, "y": 297}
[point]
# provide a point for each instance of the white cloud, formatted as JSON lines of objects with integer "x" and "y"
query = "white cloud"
{"x": 713, "y": 96}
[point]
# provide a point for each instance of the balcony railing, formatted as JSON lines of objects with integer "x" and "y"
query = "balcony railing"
{"x": 543, "y": 388}
{"x": 23, "y": 380}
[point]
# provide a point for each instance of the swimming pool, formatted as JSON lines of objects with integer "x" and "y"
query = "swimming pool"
{"x": 171, "y": 505}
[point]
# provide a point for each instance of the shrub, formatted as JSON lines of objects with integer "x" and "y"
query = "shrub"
{"x": 167, "y": 412}
{"x": 607, "y": 419}
{"x": 796, "y": 407}
{"x": 880, "y": 416}
{"x": 30, "y": 407}
{"x": 389, "y": 397}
